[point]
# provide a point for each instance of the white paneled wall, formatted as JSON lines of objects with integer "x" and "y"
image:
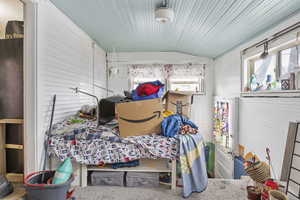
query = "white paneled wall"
{"x": 263, "y": 122}
{"x": 202, "y": 108}
{"x": 99, "y": 73}
{"x": 67, "y": 57}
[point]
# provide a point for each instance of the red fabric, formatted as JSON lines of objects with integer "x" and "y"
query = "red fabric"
{"x": 273, "y": 185}
{"x": 270, "y": 185}
{"x": 147, "y": 89}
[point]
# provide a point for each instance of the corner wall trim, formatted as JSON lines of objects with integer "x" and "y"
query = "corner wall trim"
{"x": 30, "y": 86}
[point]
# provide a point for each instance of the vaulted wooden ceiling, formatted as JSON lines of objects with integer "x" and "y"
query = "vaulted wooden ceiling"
{"x": 200, "y": 27}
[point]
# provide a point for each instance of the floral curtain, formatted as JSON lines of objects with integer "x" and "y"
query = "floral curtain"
{"x": 146, "y": 70}
{"x": 160, "y": 71}
{"x": 186, "y": 70}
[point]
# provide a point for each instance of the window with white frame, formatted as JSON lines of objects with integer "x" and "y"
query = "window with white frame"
{"x": 183, "y": 78}
{"x": 193, "y": 84}
{"x": 272, "y": 68}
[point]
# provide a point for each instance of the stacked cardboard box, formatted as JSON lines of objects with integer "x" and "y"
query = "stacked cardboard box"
{"x": 140, "y": 117}
{"x": 179, "y": 102}
{"x": 144, "y": 117}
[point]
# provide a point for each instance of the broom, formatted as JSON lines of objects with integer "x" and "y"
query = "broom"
{"x": 48, "y": 134}
{"x": 270, "y": 162}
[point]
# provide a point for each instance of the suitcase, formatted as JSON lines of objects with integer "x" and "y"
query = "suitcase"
{"x": 107, "y": 108}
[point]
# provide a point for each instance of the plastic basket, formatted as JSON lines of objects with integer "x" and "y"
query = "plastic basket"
{"x": 259, "y": 172}
{"x": 37, "y": 188}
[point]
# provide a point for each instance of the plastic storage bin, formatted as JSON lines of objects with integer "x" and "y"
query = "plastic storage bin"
{"x": 107, "y": 178}
{"x": 141, "y": 179}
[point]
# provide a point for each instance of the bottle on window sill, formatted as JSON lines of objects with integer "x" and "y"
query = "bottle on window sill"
{"x": 292, "y": 81}
{"x": 297, "y": 80}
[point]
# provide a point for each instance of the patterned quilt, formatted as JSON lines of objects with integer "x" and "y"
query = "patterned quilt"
{"x": 88, "y": 144}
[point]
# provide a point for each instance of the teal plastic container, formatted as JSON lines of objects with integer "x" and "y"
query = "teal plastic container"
{"x": 63, "y": 172}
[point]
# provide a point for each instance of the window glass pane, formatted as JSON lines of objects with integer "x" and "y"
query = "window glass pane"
{"x": 189, "y": 79}
{"x": 288, "y": 61}
{"x": 190, "y": 84}
{"x": 264, "y": 73}
{"x": 185, "y": 87}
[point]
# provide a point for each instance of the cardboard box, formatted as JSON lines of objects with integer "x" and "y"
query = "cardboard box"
{"x": 179, "y": 102}
{"x": 139, "y": 117}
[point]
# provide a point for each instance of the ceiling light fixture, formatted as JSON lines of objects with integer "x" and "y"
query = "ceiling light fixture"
{"x": 164, "y": 14}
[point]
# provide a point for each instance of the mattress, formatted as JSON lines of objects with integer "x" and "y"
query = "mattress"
{"x": 88, "y": 144}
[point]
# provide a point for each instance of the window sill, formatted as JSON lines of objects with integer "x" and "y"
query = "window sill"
{"x": 279, "y": 93}
{"x": 199, "y": 93}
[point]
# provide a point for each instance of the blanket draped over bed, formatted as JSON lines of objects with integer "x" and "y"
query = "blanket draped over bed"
{"x": 88, "y": 144}
{"x": 193, "y": 165}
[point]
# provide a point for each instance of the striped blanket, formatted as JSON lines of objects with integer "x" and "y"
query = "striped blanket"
{"x": 193, "y": 165}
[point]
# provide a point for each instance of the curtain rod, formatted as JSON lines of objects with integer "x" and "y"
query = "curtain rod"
{"x": 274, "y": 36}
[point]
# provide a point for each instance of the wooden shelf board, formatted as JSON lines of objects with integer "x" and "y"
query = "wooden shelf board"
{"x": 14, "y": 146}
{"x": 15, "y": 177}
{"x": 11, "y": 121}
{"x": 146, "y": 165}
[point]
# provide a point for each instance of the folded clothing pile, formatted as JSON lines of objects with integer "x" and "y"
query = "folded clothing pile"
{"x": 148, "y": 90}
{"x": 88, "y": 112}
{"x": 133, "y": 163}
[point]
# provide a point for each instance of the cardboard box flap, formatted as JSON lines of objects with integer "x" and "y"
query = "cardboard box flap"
{"x": 179, "y": 102}
{"x": 179, "y": 95}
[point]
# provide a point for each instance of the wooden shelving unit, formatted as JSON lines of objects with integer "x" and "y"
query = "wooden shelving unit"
{"x": 12, "y": 177}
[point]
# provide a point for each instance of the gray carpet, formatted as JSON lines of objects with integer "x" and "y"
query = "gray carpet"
{"x": 218, "y": 189}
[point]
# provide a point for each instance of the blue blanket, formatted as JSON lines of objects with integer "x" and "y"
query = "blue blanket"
{"x": 193, "y": 165}
{"x": 172, "y": 124}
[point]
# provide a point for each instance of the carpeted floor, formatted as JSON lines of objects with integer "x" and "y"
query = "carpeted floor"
{"x": 218, "y": 189}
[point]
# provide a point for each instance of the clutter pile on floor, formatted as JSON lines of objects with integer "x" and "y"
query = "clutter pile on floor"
{"x": 263, "y": 187}
{"x": 132, "y": 128}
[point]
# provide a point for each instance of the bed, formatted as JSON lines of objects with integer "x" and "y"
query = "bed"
{"x": 93, "y": 146}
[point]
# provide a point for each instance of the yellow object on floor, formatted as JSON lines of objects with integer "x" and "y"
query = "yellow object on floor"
{"x": 167, "y": 113}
